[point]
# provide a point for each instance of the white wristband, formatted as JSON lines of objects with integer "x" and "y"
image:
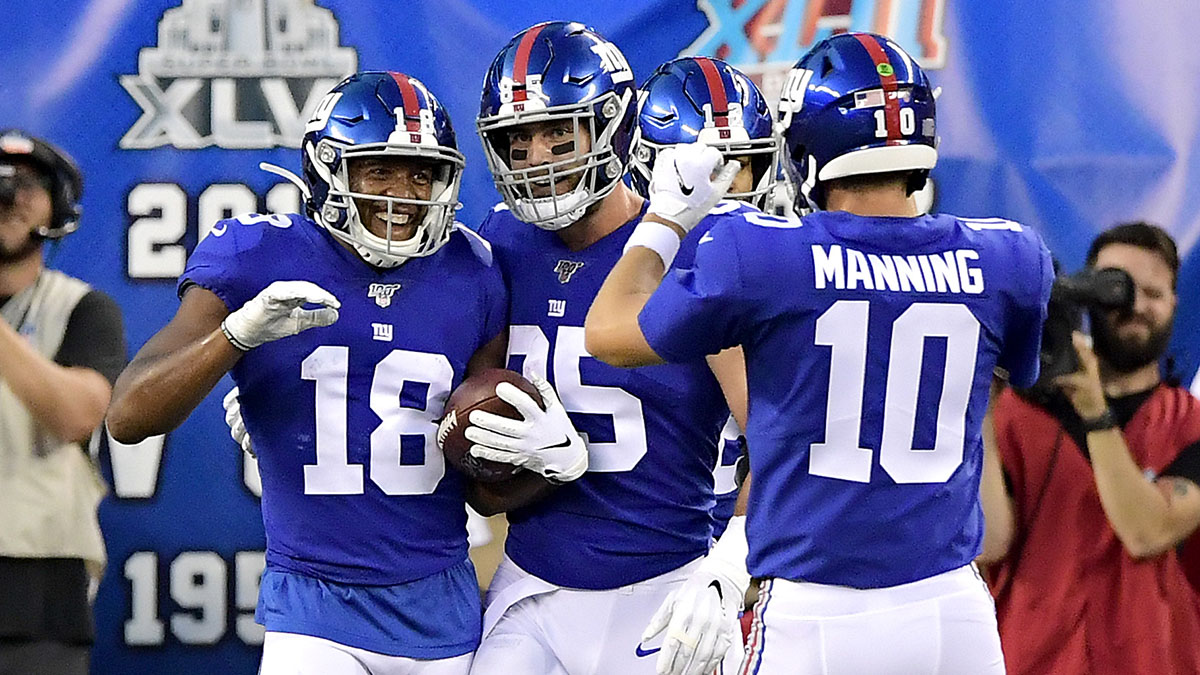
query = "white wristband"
{"x": 658, "y": 238}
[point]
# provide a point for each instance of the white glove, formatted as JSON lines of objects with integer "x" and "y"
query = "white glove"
{"x": 233, "y": 418}
{"x": 277, "y": 312}
{"x": 543, "y": 441}
{"x": 687, "y": 181}
{"x": 701, "y": 616}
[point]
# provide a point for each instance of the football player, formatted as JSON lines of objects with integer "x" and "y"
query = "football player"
{"x": 871, "y": 335}
{"x": 586, "y": 569}
{"x": 367, "y": 568}
{"x": 696, "y": 98}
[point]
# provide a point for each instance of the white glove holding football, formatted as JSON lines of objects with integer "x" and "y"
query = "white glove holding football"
{"x": 278, "y": 312}
{"x": 687, "y": 181}
{"x": 233, "y": 418}
{"x": 542, "y": 441}
{"x": 701, "y": 616}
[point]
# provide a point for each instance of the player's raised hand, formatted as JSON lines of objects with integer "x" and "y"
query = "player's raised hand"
{"x": 278, "y": 312}
{"x": 542, "y": 441}
{"x": 687, "y": 181}
{"x": 233, "y": 418}
{"x": 701, "y": 616}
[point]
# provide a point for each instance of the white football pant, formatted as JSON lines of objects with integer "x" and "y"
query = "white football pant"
{"x": 531, "y": 626}
{"x": 293, "y": 654}
{"x": 943, "y": 625}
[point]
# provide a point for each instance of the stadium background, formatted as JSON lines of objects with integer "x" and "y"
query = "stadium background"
{"x": 1067, "y": 115}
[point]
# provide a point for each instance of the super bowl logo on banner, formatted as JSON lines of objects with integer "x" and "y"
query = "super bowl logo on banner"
{"x": 235, "y": 74}
{"x": 763, "y": 38}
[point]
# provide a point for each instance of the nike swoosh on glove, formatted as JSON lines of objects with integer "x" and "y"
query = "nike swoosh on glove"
{"x": 687, "y": 181}
{"x": 542, "y": 441}
{"x": 278, "y": 312}
{"x": 701, "y": 616}
{"x": 233, "y": 419}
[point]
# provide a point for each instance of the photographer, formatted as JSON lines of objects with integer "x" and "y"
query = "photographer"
{"x": 1099, "y": 487}
{"x": 61, "y": 347}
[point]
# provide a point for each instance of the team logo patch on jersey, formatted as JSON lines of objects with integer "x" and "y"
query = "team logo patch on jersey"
{"x": 382, "y": 332}
{"x": 382, "y": 293}
{"x": 566, "y": 269}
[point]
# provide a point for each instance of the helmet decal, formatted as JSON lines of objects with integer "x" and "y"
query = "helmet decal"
{"x": 855, "y": 104}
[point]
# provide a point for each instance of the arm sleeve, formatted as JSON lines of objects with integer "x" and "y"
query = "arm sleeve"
{"x": 1023, "y": 342}
{"x": 95, "y": 337}
{"x": 696, "y": 311}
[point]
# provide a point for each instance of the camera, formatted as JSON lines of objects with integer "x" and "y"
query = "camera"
{"x": 1070, "y": 296}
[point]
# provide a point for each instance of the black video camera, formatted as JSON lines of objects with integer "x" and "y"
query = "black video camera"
{"x": 1070, "y": 297}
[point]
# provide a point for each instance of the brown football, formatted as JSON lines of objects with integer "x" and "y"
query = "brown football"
{"x": 478, "y": 392}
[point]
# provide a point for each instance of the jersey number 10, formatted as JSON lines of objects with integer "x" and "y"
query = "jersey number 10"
{"x": 843, "y": 327}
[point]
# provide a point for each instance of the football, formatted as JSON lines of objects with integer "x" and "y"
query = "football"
{"x": 478, "y": 392}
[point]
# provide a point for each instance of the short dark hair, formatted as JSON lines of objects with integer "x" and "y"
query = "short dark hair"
{"x": 1142, "y": 235}
{"x": 912, "y": 180}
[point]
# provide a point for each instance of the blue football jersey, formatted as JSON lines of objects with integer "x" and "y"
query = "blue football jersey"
{"x": 643, "y": 508}
{"x": 870, "y": 347}
{"x": 344, "y": 417}
{"x": 725, "y": 487}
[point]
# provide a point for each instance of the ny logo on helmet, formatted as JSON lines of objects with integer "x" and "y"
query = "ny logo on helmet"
{"x": 382, "y": 293}
{"x": 613, "y": 62}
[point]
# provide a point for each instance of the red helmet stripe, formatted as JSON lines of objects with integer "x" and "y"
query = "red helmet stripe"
{"x": 716, "y": 91}
{"x": 887, "y": 80}
{"x": 412, "y": 105}
{"x": 521, "y": 62}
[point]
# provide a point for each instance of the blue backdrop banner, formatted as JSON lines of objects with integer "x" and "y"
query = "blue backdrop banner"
{"x": 1066, "y": 115}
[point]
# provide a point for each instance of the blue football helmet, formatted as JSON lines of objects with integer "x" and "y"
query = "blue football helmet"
{"x": 372, "y": 114}
{"x": 855, "y": 104}
{"x": 558, "y": 71}
{"x": 697, "y": 98}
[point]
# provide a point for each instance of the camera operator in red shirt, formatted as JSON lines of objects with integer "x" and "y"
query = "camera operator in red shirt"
{"x": 1098, "y": 489}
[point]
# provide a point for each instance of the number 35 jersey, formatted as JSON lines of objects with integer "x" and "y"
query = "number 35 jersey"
{"x": 870, "y": 345}
{"x": 642, "y": 509}
{"x": 343, "y": 417}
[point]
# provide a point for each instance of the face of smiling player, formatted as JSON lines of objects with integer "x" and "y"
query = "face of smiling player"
{"x": 398, "y": 177}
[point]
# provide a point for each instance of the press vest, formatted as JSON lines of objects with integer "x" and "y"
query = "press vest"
{"x": 49, "y": 490}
